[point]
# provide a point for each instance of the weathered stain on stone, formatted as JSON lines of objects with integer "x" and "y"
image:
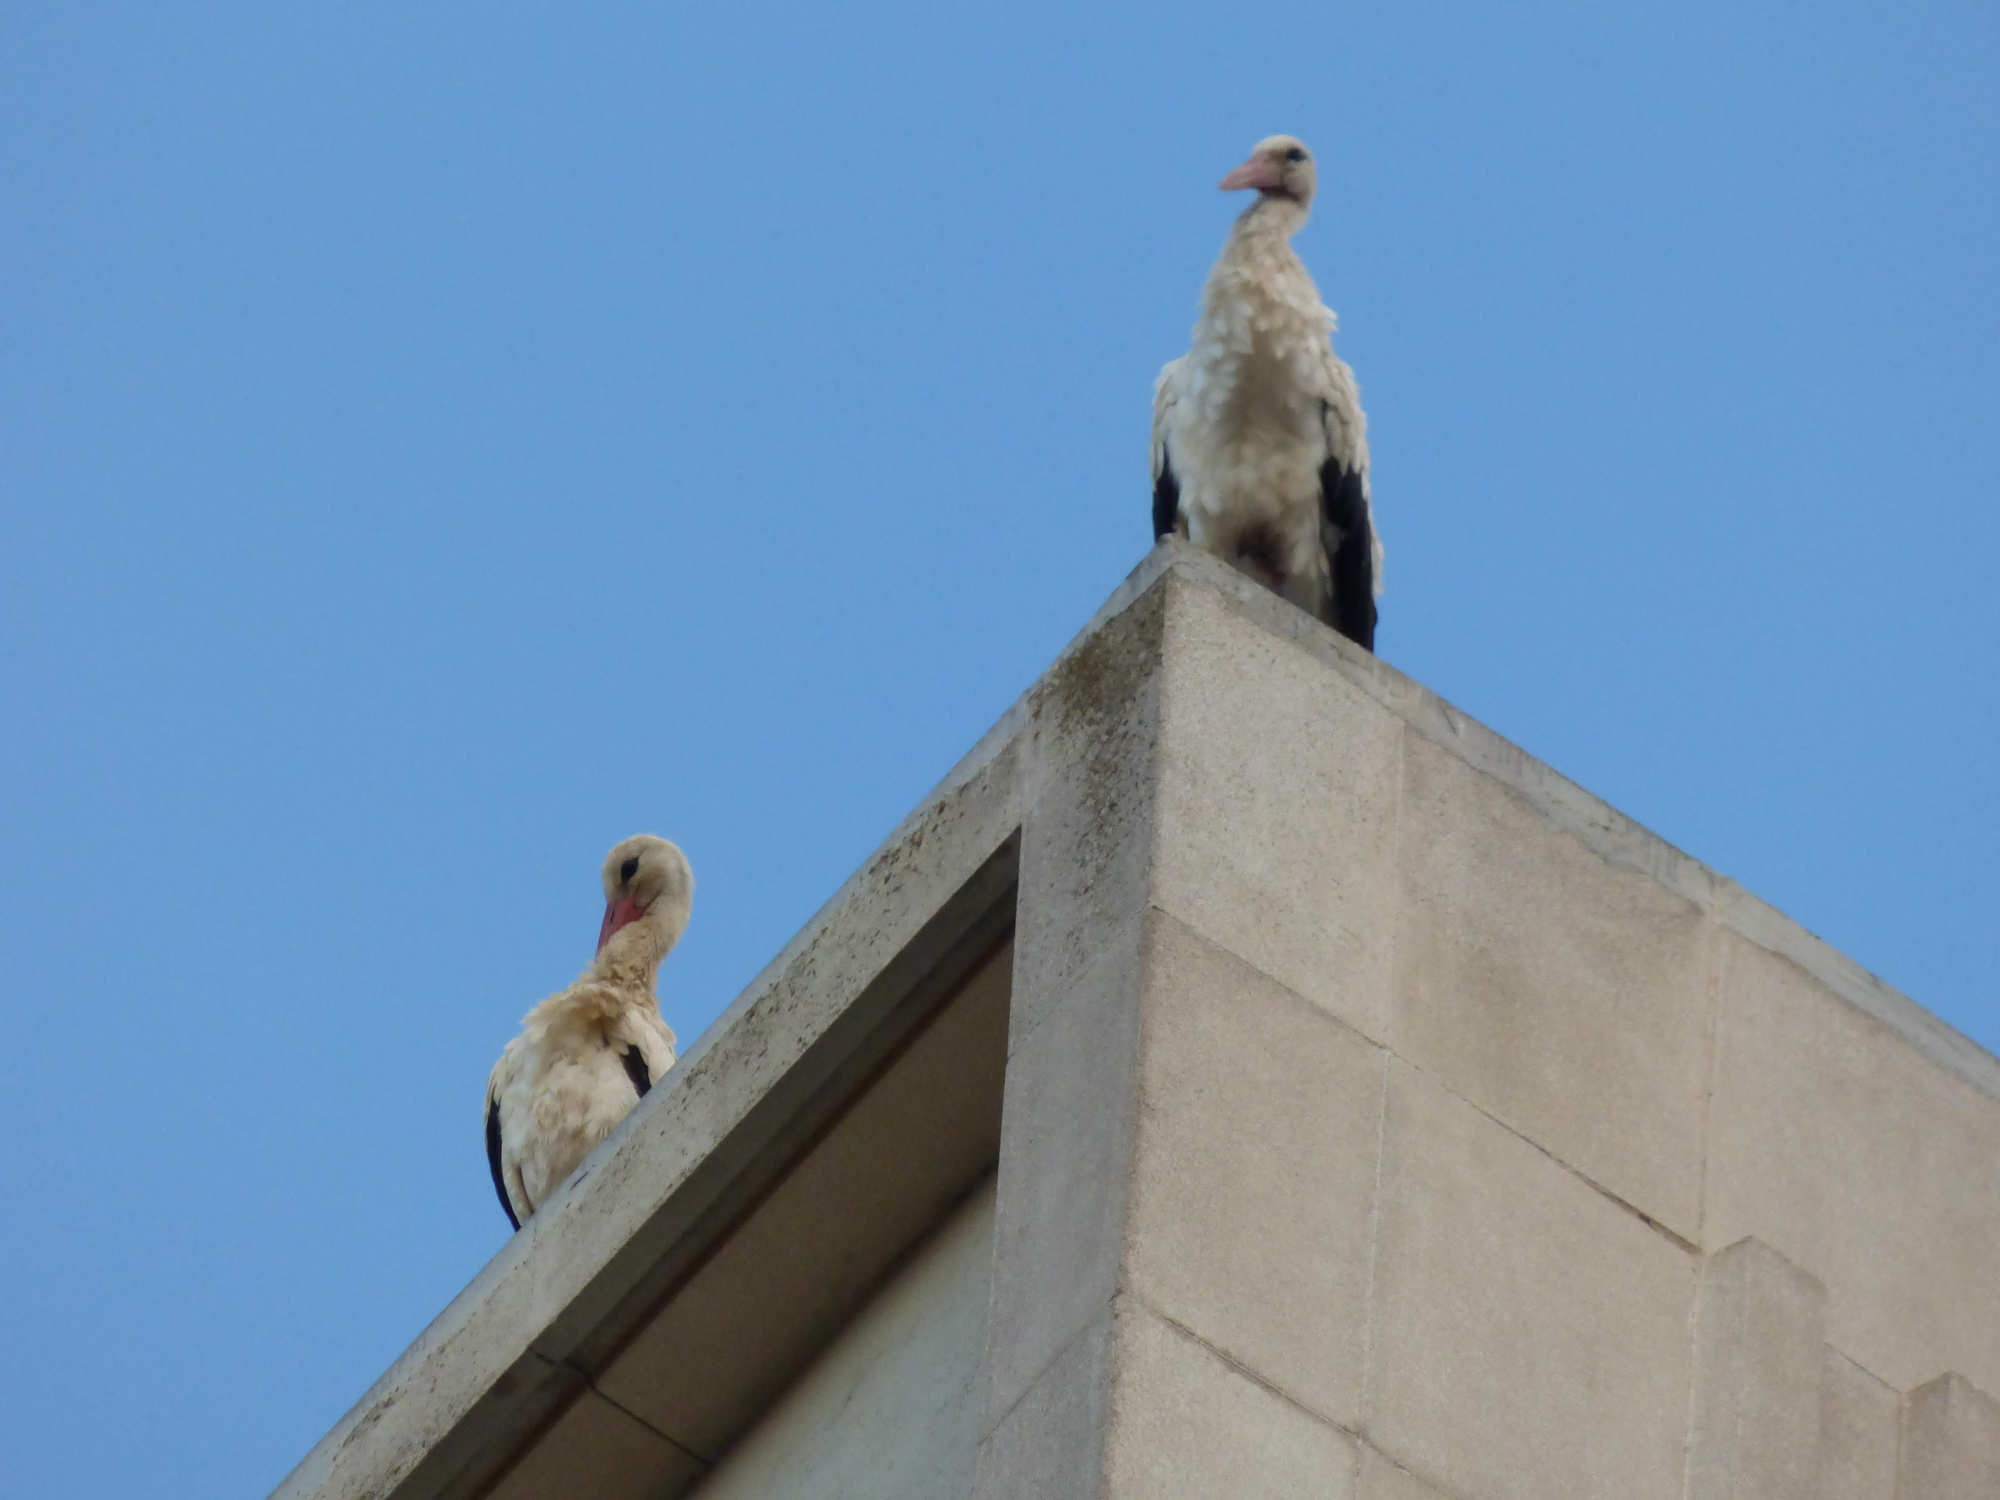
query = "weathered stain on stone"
{"x": 1094, "y": 683}
{"x": 1104, "y": 703}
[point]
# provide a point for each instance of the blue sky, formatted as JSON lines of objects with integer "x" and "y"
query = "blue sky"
{"x": 439, "y": 440}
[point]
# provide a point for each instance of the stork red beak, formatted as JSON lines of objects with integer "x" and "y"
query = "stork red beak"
{"x": 620, "y": 913}
{"x": 1259, "y": 172}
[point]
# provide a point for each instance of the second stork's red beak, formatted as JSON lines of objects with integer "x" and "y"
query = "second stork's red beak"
{"x": 620, "y": 913}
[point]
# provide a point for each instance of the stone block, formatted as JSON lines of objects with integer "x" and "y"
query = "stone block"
{"x": 1759, "y": 1356}
{"x": 1254, "y": 1156}
{"x": 1859, "y": 1419}
{"x": 1278, "y": 784}
{"x": 1050, "y": 1444}
{"x": 1183, "y": 1423}
{"x": 1840, "y": 1145}
{"x": 1065, "y": 1149}
{"x": 1564, "y": 994}
{"x": 1530, "y": 1336}
{"x": 1951, "y": 1442}
{"x": 1770, "y": 929}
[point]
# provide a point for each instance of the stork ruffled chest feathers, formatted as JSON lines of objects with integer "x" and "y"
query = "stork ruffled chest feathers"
{"x": 1251, "y": 427}
{"x": 571, "y": 1048}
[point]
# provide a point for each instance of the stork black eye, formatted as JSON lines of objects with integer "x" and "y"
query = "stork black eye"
{"x": 1297, "y": 153}
{"x": 627, "y": 870}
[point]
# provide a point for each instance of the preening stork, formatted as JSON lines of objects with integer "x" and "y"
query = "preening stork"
{"x": 585, "y": 1056}
{"x": 1260, "y": 451}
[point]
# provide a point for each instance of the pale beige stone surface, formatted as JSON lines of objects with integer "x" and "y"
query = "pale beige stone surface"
{"x": 1064, "y": 1157}
{"x": 1184, "y": 1424}
{"x": 1565, "y": 995}
{"x": 1382, "y": 1480}
{"x": 597, "y": 1449}
{"x": 1253, "y": 1171}
{"x": 1278, "y": 784}
{"x": 1759, "y": 1353}
{"x": 1770, "y": 929}
{"x": 1530, "y": 1335}
{"x": 889, "y": 1410}
{"x": 1951, "y": 1442}
{"x": 1859, "y": 1418}
{"x": 1050, "y": 1444}
{"x": 804, "y": 1260}
{"x": 1840, "y": 1145}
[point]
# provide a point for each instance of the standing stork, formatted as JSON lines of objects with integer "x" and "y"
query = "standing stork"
{"x": 1260, "y": 450}
{"x": 585, "y": 1056}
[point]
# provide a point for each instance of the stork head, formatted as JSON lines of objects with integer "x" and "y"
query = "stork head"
{"x": 648, "y": 892}
{"x": 1279, "y": 167}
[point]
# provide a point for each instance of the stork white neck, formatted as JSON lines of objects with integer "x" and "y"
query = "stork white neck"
{"x": 634, "y": 952}
{"x": 1273, "y": 216}
{"x": 1259, "y": 294}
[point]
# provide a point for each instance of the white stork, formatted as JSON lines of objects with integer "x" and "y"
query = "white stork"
{"x": 585, "y": 1056}
{"x": 1260, "y": 451}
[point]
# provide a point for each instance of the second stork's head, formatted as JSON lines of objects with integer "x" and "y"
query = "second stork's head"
{"x": 648, "y": 892}
{"x": 1280, "y": 169}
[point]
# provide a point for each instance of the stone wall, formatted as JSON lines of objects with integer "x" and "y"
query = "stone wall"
{"x": 1387, "y": 1117}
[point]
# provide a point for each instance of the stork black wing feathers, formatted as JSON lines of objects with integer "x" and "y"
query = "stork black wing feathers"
{"x": 1351, "y": 560}
{"x": 1166, "y": 497}
{"x": 493, "y": 1159}
{"x": 636, "y": 1070}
